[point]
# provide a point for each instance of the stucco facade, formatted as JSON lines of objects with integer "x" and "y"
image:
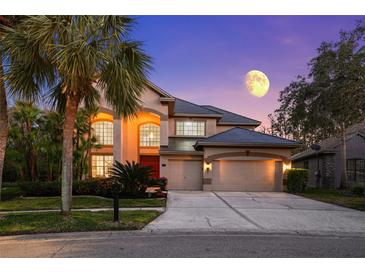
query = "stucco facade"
{"x": 229, "y": 166}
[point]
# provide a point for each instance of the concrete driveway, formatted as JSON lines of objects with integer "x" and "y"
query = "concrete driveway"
{"x": 256, "y": 212}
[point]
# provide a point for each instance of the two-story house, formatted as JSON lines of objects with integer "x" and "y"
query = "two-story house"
{"x": 197, "y": 147}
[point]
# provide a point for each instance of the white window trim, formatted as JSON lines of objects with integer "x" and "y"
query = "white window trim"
{"x": 192, "y": 121}
{"x": 101, "y": 142}
{"x": 156, "y": 138}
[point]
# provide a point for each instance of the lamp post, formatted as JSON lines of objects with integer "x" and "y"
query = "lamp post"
{"x": 317, "y": 148}
{"x": 116, "y": 191}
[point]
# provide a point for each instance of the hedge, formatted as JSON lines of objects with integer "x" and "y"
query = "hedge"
{"x": 296, "y": 179}
{"x": 358, "y": 189}
{"x": 97, "y": 187}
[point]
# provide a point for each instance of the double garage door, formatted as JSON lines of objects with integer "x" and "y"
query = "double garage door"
{"x": 227, "y": 175}
{"x": 231, "y": 175}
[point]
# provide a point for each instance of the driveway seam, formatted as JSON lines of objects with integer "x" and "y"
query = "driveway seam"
{"x": 238, "y": 212}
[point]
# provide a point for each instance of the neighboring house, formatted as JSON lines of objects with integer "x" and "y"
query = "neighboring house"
{"x": 196, "y": 147}
{"x": 330, "y": 159}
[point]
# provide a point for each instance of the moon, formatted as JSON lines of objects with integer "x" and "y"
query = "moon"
{"x": 257, "y": 83}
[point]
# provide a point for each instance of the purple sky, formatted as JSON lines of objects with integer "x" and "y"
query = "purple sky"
{"x": 204, "y": 58}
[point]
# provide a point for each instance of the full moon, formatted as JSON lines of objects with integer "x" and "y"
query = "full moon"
{"x": 257, "y": 83}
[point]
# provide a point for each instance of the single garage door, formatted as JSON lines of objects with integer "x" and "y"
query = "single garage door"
{"x": 230, "y": 175}
{"x": 185, "y": 175}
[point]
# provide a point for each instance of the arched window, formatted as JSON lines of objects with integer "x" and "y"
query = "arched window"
{"x": 149, "y": 135}
{"x": 104, "y": 132}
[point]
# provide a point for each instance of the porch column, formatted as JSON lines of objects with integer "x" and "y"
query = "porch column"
{"x": 118, "y": 140}
{"x": 164, "y": 132}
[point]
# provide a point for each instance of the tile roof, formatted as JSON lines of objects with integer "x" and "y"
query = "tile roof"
{"x": 230, "y": 118}
{"x": 242, "y": 137}
{"x": 185, "y": 107}
{"x": 180, "y": 144}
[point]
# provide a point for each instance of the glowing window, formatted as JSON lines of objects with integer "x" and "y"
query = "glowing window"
{"x": 104, "y": 132}
{"x": 100, "y": 165}
{"x": 149, "y": 135}
{"x": 190, "y": 128}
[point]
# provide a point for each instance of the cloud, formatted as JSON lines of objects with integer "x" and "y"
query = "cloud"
{"x": 288, "y": 40}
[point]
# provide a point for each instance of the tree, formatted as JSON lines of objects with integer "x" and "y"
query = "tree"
{"x": 51, "y": 144}
{"x": 331, "y": 98}
{"x": 25, "y": 132}
{"x": 84, "y": 141}
{"x": 4, "y": 120}
{"x": 338, "y": 74}
{"x": 80, "y": 58}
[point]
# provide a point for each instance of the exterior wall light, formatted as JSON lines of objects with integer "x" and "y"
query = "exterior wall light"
{"x": 207, "y": 166}
{"x": 286, "y": 166}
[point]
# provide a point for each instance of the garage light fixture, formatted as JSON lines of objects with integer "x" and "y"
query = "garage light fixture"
{"x": 207, "y": 166}
{"x": 286, "y": 166}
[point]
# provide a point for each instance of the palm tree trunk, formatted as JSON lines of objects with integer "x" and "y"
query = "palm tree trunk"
{"x": 343, "y": 183}
{"x": 4, "y": 129}
{"x": 67, "y": 153}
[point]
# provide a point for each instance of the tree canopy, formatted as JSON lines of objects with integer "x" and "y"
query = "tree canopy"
{"x": 331, "y": 97}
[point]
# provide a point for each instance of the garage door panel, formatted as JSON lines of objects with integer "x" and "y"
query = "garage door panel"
{"x": 230, "y": 175}
{"x": 185, "y": 175}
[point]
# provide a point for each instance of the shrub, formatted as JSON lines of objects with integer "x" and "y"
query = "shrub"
{"x": 132, "y": 177}
{"x": 358, "y": 189}
{"x": 97, "y": 187}
{"x": 39, "y": 188}
{"x": 160, "y": 182}
{"x": 296, "y": 179}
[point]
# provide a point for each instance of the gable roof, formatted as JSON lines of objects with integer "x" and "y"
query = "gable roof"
{"x": 245, "y": 137}
{"x": 159, "y": 90}
{"x": 329, "y": 145}
{"x": 185, "y": 108}
{"x": 230, "y": 118}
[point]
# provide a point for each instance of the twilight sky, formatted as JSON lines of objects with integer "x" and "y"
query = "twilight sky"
{"x": 204, "y": 58}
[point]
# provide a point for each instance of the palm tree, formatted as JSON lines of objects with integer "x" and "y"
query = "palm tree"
{"x": 131, "y": 176}
{"x": 4, "y": 119}
{"x": 51, "y": 143}
{"x": 80, "y": 58}
{"x": 85, "y": 140}
{"x": 25, "y": 125}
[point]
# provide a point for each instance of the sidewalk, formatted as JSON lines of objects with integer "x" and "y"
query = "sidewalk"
{"x": 161, "y": 209}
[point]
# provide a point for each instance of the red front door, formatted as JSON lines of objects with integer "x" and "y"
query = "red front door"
{"x": 152, "y": 161}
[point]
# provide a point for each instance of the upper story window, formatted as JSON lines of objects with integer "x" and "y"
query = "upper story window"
{"x": 190, "y": 128}
{"x": 104, "y": 132}
{"x": 149, "y": 135}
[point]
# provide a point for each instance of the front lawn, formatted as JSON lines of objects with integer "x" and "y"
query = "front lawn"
{"x": 336, "y": 197}
{"x": 49, "y": 222}
{"x": 78, "y": 202}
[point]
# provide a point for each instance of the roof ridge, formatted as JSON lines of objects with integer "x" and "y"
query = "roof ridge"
{"x": 231, "y": 112}
{"x": 220, "y": 133}
{"x": 206, "y": 106}
{"x": 282, "y": 138}
{"x": 196, "y": 105}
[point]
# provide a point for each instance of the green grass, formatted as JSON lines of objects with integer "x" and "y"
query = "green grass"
{"x": 78, "y": 202}
{"x": 336, "y": 197}
{"x": 50, "y": 222}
